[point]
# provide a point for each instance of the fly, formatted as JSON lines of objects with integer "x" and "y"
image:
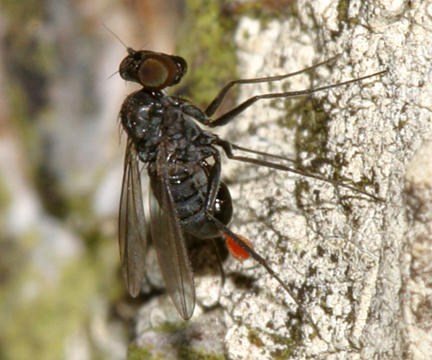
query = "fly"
{"x": 183, "y": 163}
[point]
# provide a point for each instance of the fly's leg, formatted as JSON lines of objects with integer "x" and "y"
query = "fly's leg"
{"x": 214, "y": 105}
{"x": 227, "y": 232}
{"x": 204, "y": 116}
{"x": 219, "y": 259}
{"x": 227, "y": 147}
{"x": 262, "y": 153}
{"x": 214, "y": 177}
{"x": 231, "y": 114}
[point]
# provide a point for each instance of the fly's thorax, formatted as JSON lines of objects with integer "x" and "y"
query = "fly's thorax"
{"x": 141, "y": 116}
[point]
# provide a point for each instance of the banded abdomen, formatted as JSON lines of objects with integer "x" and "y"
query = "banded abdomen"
{"x": 190, "y": 185}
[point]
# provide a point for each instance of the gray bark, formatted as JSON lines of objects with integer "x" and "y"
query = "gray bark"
{"x": 358, "y": 265}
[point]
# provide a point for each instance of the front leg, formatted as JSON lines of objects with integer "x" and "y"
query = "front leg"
{"x": 195, "y": 112}
{"x": 213, "y": 187}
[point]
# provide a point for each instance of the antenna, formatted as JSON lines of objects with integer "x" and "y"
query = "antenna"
{"x": 115, "y": 35}
{"x": 112, "y": 75}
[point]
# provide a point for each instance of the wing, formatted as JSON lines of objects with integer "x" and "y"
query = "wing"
{"x": 170, "y": 245}
{"x": 132, "y": 224}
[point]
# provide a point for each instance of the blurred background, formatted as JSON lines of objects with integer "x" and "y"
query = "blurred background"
{"x": 61, "y": 152}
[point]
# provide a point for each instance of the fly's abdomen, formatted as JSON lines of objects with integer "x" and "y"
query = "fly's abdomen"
{"x": 189, "y": 191}
{"x": 189, "y": 187}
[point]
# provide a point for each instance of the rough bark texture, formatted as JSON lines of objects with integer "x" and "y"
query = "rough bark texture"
{"x": 358, "y": 265}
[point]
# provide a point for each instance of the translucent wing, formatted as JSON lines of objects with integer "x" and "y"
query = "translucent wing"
{"x": 169, "y": 242}
{"x": 132, "y": 223}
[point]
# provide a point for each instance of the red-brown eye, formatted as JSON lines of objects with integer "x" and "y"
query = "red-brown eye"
{"x": 154, "y": 73}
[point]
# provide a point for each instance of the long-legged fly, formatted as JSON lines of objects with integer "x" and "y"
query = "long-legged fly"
{"x": 186, "y": 195}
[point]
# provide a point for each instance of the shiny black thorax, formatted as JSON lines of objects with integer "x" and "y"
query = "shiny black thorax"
{"x": 164, "y": 131}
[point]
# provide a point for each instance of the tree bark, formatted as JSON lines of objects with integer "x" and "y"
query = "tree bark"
{"x": 358, "y": 265}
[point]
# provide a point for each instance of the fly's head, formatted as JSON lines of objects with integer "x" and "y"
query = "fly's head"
{"x": 152, "y": 70}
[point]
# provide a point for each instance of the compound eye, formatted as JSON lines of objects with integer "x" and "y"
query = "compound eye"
{"x": 153, "y": 73}
{"x": 181, "y": 68}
